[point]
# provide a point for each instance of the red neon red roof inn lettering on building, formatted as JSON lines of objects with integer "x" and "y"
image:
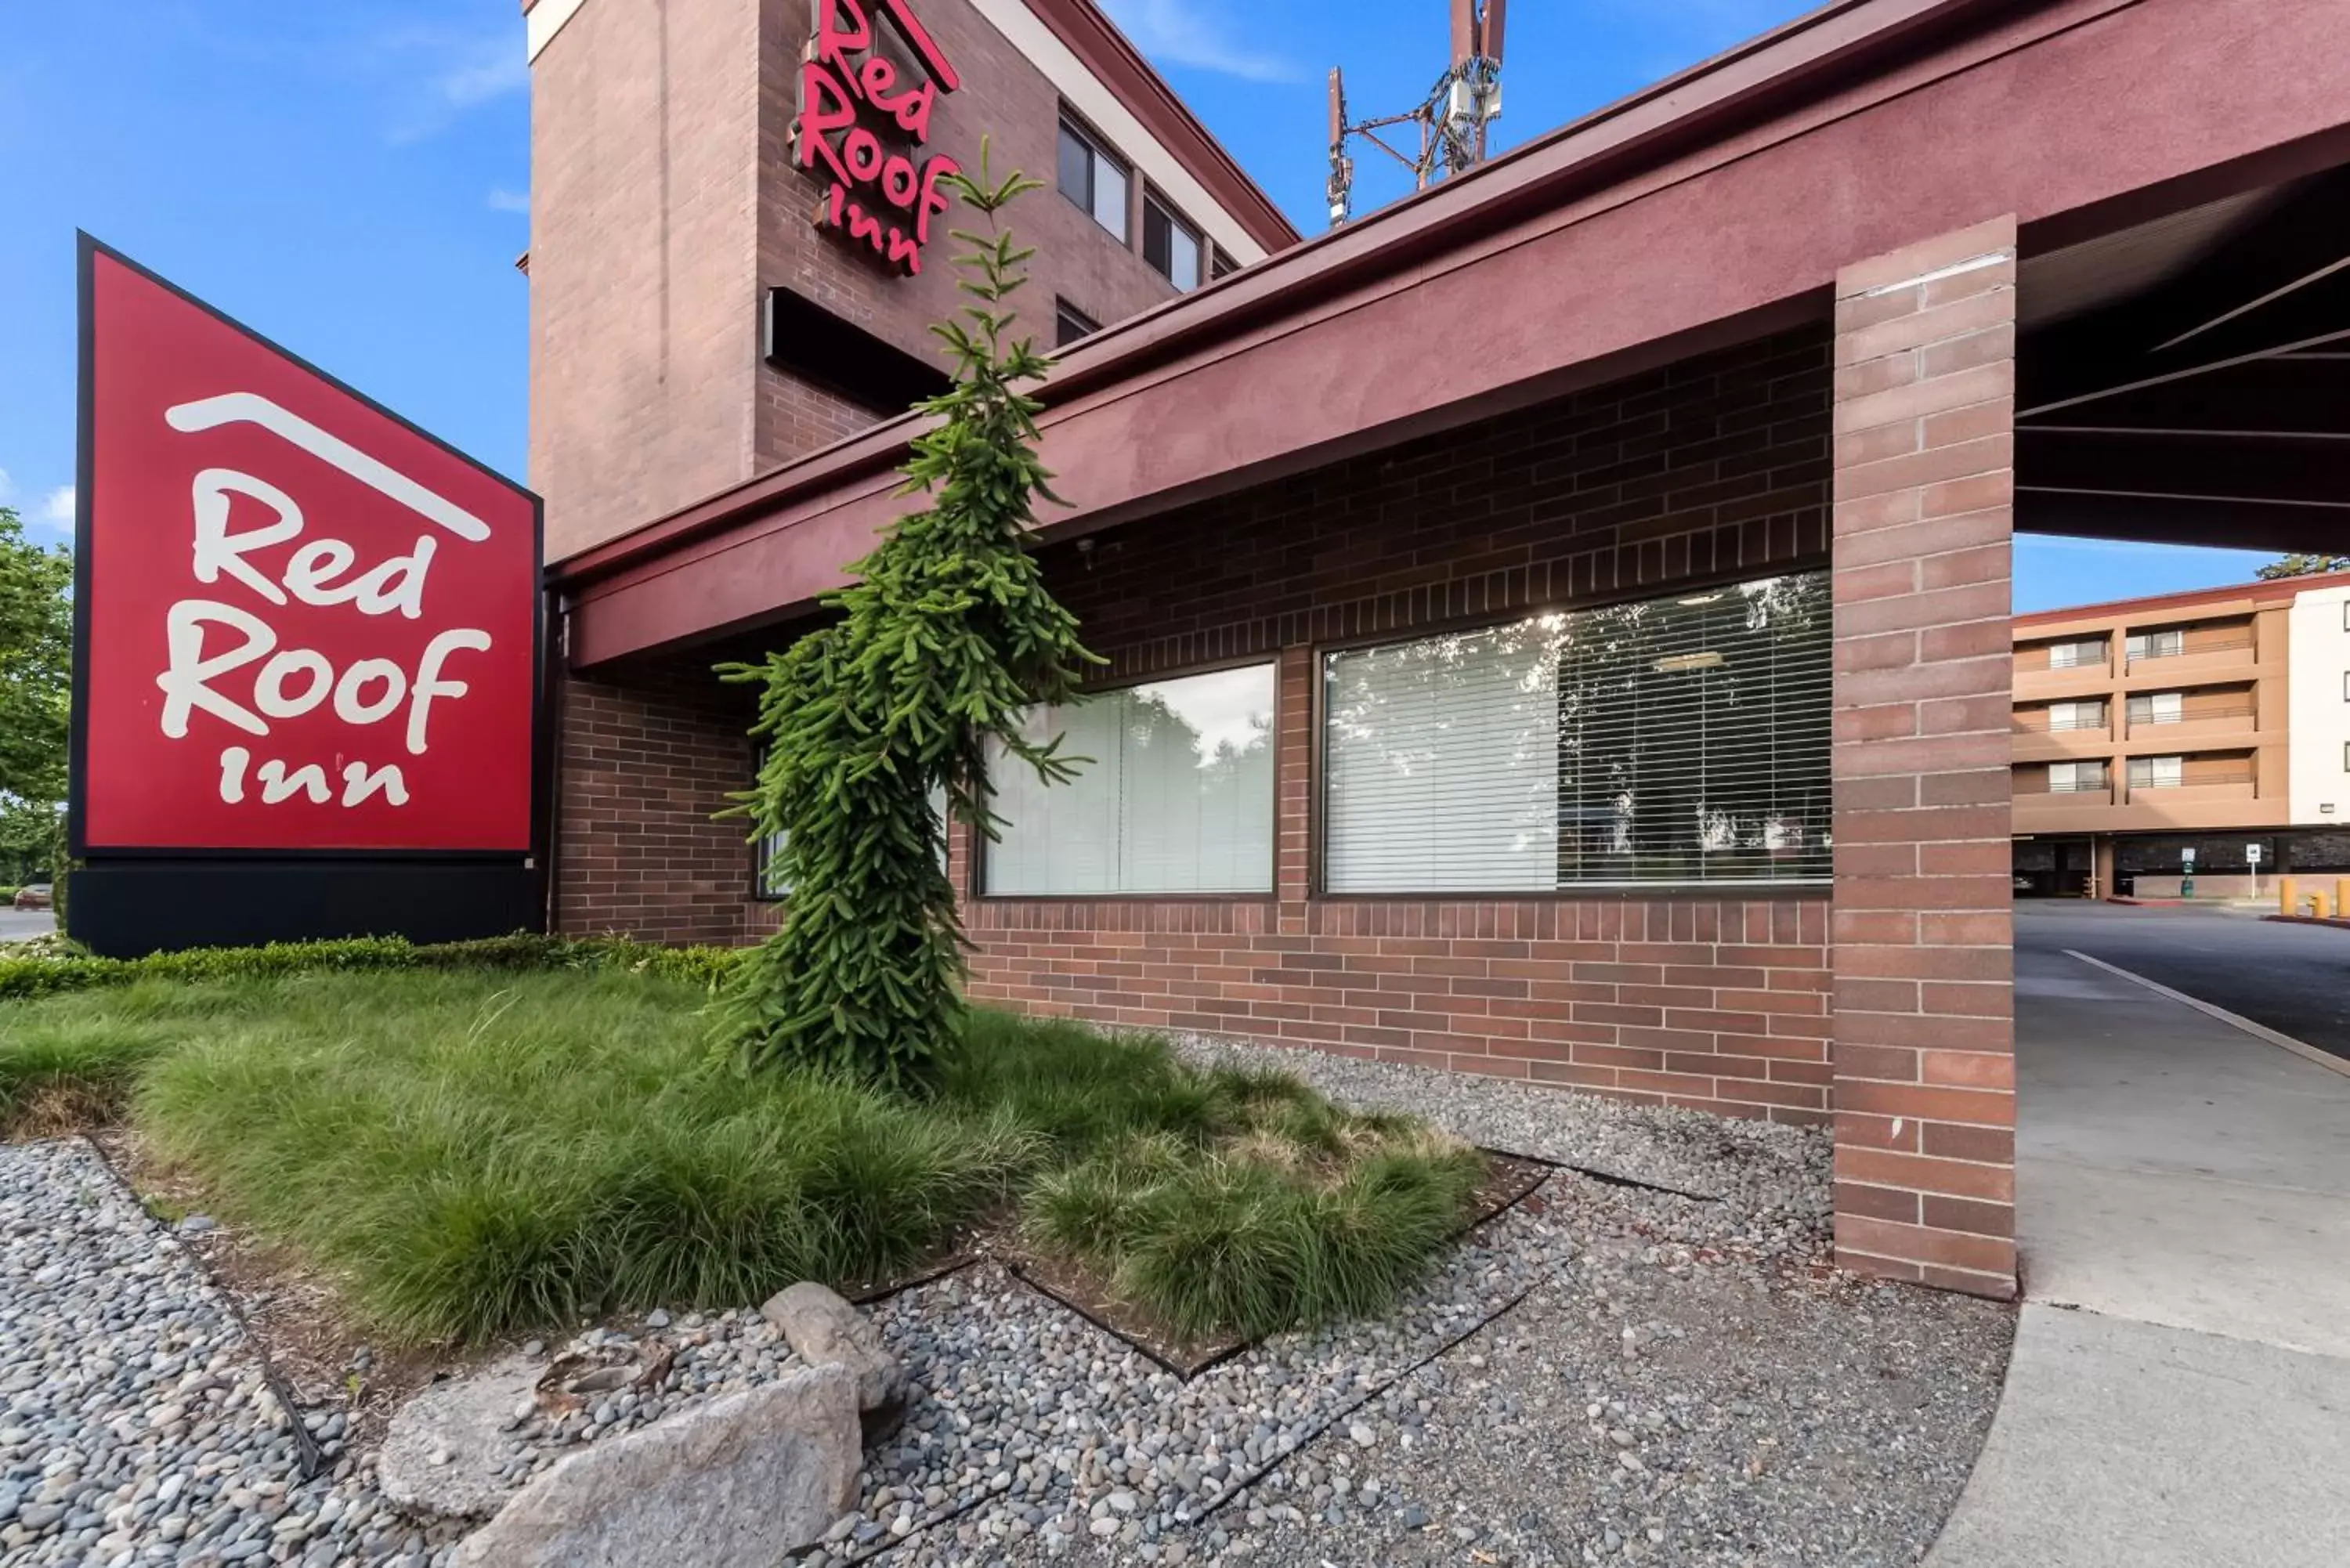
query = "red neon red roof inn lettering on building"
{"x": 880, "y": 197}
{"x": 313, "y": 627}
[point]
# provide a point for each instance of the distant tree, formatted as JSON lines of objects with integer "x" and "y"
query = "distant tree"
{"x": 2301, "y": 566}
{"x": 947, "y": 639}
{"x": 35, "y": 665}
{"x": 27, "y": 840}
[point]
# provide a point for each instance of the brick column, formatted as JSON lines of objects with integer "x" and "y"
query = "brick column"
{"x": 1293, "y": 823}
{"x": 1923, "y": 927}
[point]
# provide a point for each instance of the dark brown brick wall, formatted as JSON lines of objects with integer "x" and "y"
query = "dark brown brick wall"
{"x": 1716, "y": 468}
{"x": 646, "y": 757}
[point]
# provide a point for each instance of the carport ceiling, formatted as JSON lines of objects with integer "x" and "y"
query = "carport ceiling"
{"x": 2187, "y": 382}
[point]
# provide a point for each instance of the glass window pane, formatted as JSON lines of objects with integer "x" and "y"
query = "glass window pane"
{"x": 1440, "y": 764}
{"x": 1675, "y": 740}
{"x": 1177, "y": 797}
{"x": 1076, "y": 168}
{"x": 1184, "y": 264}
{"x": 1109, "y": 195}
{"x": 1157, "y": 231}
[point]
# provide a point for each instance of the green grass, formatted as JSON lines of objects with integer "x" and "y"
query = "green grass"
{"x": 478, "y": 1153}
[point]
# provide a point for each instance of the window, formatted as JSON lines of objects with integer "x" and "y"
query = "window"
{"x": 2157, "y": 645}
{"x": 2157, "y": 708}
{"x": 2156, "y": 772}
{"x": 770, "y": 884}
{"x": 1170, "y": 245}
{"x": 2072, "y": 655}
{"x": 1071, "y": 325}
{"x": 2076, "y": 715}
{"x": 1177, "y": 797}
{"x": 1093, "y": 179}
{"x": 2076, "y": 778}
{"x": 1221, "y": 266}
{"x": 1671, "y": 742}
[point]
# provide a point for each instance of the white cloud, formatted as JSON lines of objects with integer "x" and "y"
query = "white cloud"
{"x": 504, "y": 201}
{"x": 1184, "y": 33}
{"x": 448, "y": 74}
{"x": 58, "y": 507}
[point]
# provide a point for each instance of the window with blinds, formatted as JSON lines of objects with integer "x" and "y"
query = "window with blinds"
{"x": 1176, "y": 795}
{"x": 1673, "y": 741}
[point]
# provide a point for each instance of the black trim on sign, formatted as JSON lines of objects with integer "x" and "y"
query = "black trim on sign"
{"x": 539, "y": 840}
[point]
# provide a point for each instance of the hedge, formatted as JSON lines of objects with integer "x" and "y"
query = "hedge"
{"x": 21, "y": 977}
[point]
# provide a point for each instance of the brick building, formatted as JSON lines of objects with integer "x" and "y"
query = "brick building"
{"x": 1558, "y": 624}
{"x": 2204, "y": 727}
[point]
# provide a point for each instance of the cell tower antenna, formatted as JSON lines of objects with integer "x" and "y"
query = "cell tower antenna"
{"x": 1450, "y": 124}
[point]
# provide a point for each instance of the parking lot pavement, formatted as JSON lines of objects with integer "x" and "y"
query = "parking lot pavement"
{"x": 16, "y": 925}
{"x": 2293, "y": 978}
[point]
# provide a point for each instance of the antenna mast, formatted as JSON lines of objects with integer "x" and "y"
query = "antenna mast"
{"x": 1451, "y": 122}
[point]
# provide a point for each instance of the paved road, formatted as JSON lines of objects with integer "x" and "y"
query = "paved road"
{"x": 2179, "y": 1395}
{"x": 17, "y": 924}
{"x": 2295, "y": 978}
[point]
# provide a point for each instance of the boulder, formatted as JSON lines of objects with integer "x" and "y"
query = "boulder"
{"x": 743, "y": 1480}
{"x": 445, "y": 1448}
{"x": 826, "y": 1331}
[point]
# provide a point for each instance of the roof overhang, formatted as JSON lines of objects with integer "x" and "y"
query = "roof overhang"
{"x": 1717, "y": 204}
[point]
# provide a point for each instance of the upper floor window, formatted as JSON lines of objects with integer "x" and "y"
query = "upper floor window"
{"x": 2157, "y": 708}
{"x": 1221, "y": 266}
{"x": 1094, "y": 179}
{"x": 2072, "y": 655}
{"x": 2157, "y": 773}
{"x": 1170, "y": 244}
{"x": 2076, "y": 715}
{"x": 2076, "y": 778}
{"x": 2158, "y": 645}
{"x": 1071, "y": 325}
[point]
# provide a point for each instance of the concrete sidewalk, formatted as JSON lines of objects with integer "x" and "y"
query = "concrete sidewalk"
{"x": 2180, "y": 1389}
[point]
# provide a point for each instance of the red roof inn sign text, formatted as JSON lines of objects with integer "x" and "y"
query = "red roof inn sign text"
{"x": 863, "y": 124}
{"x": 305, "y": 628}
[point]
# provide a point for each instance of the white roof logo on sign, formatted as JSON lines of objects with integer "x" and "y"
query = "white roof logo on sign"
{"x": 252, "y": 408}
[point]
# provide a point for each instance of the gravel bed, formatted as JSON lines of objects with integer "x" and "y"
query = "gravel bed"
{"x": 135, "y": 1424}
{"x": 1603, "y": 1371}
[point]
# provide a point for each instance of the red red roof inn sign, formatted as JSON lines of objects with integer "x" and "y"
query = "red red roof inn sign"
{"x": 308, "y": 651}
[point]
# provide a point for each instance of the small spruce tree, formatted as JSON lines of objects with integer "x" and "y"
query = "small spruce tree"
{"x": 868, "y": 724}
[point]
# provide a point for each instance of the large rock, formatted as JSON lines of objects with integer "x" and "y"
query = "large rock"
{"x": 445, "y": 1448}
{"x": 827, "y": 1332}
{"x": 735, "y": 1483}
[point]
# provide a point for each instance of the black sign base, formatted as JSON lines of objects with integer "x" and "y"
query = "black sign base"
{"x": 128, "y": 908}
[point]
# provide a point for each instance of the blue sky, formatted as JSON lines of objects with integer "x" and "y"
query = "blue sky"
{"x": 352, "y": 179}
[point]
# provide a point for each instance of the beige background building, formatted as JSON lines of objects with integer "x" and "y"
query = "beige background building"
{"x": 2214, "y": 721}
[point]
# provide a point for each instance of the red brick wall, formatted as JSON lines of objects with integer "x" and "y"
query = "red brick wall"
{"x": 1925, "y": 1032}
{"x": 1717, "y": 468}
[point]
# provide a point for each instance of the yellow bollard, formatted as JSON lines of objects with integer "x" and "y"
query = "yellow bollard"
{"x": 2317, "y": 904}
{"x": 2288, "y": 905}
{"x": 2341, "y": 894}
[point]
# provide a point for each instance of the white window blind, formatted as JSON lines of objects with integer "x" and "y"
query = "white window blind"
{"x": 1177, "y": 797}
{"x": 2072, "y": 655}
{"x": 1671, "y": 742}
{"x": 2157, "y": 773}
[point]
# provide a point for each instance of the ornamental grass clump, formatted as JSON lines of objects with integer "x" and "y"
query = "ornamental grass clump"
{"x": 946, "y": 640}
{"x": 471, "y": 1153}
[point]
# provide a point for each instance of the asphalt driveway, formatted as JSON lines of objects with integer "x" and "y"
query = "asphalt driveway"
{"x": 16, "y": 925}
